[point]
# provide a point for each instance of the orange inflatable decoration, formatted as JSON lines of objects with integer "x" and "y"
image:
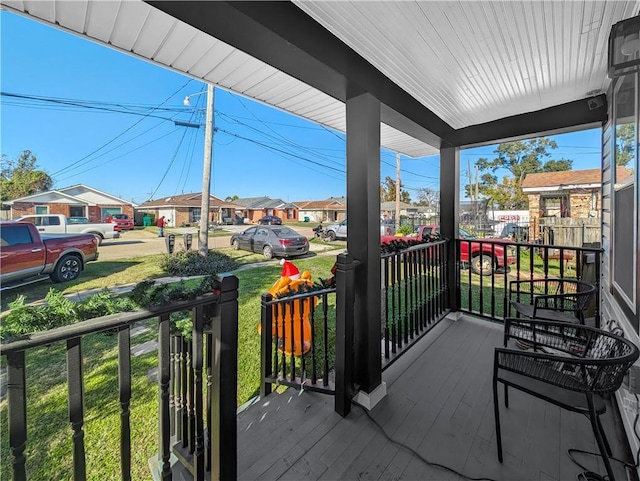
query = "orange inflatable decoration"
{"x": 291, "y": 330}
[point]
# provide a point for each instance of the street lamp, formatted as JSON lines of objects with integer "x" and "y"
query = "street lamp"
{"x": 203, "y": 235}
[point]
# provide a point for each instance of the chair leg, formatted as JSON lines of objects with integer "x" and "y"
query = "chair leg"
{"x": 602, "y": 444}
{"x": 604, "y": 437}
{"x": 506, "y": 396}
{"x": 496, "y": 414}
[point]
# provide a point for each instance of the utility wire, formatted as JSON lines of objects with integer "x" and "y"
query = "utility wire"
{"x": 119, "y": 135}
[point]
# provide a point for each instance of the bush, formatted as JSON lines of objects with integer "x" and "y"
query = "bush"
{"x": 191, "y": 263}
{"x": 405, "y": 229}
{"x": 58, "y": 311}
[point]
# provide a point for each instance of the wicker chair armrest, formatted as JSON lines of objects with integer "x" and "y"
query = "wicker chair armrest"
{"x": 562, "y": 370}
{"x": 556, "y": 335}
{"x": 557, "y": 302}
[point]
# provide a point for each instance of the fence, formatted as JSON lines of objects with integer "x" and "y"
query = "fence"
{"x": 570, "y": 232}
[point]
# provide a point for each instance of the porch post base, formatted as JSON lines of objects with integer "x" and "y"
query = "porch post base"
{"x": 454, "y": 316}
{"x": 369, "y": 400}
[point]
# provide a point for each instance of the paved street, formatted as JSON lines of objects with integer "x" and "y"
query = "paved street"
{"x": 138, "y": 242}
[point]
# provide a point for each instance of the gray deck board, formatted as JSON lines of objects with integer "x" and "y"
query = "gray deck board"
{"x": 440, "y": 404}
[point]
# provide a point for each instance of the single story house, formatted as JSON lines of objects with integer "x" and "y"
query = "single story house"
{"x": 184, "y": 210}
{"x": 571, "y": 193}
{"x": 329, "y": 210}
{"x": 254, "y": 208}
{"x": 74, "y": 201}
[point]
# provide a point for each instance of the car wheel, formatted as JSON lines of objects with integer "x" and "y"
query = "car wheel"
{"x": 236, "y": 244}
{"x": 267, "y": 252}
{"x": 98, "y": 237}
{"x": 331, "y": 236}
{"x": 67, "y": 269}
{"x": 482, "y": 264}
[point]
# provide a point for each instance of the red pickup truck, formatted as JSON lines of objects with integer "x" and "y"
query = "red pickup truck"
{"x": 485, "y": 257}
{"x": 26, "y": 254}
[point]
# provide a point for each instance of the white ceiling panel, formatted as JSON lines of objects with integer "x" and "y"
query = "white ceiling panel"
{"x": 468, "y": 61}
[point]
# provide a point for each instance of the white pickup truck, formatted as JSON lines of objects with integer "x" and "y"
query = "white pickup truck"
{"x": 59, "y": 224}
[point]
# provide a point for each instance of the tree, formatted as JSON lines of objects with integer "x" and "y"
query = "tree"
{"x": 625, "y": 142}
{"x": 231, "y": 198}
{"x": 428, "y": 197}
{"x": 519, "y": 159}
{"x": 20, "y": 178}
{"x": 388, "y": 191}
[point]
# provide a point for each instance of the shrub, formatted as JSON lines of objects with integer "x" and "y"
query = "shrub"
{"x": 405, "y": 229}
{"x": 191, "y": 263}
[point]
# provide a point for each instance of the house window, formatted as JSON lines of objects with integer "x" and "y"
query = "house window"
{"x": 556, "y": 206}
{"x": 194, "y": 214}
{"x": 42, "y": 209}
{"x": 289, "y": 213}
{"x": 624, "y": 248}
{"x": 76, "y": 211}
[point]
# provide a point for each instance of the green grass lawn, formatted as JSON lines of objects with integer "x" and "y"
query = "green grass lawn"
{"x": 49, "y": 447}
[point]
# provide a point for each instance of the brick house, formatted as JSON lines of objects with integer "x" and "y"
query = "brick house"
{"x": 328, "y": 210}
{"x": 75, "y": 201}
{"x": 185, "y": 210}
{"x": 254, "y": 208}
{"x": 574, "y": 194}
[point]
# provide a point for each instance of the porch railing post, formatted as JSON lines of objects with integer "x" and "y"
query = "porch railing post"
{"x": 345, "y": 295}
{"x": 266, "y": 346}
{"x": 17, "y": 394}
{"x": 224, "y": 438}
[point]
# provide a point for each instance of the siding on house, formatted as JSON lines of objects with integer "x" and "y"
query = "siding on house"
{"x": 615, "y": 312}
{"x": 78, "y": 200}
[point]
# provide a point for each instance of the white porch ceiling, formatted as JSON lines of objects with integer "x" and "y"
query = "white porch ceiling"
{"x": 469, "y": 62}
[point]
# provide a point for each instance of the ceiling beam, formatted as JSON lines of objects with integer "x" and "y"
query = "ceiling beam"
{"x": 283, "y": 36}
{"x": 572, "y": 116}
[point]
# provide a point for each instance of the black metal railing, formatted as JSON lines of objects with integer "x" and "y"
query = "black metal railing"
{"x": 487, "y": 267}
{"x": 298, "y": 341}
{"x": 181, "y": 369}
{"x": 414, "y": 290}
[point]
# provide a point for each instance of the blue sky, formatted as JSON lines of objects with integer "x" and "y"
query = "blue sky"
{"x": 142, "y": 154}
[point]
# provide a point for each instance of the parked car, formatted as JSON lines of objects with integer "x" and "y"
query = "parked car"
{"x": 272, "y": 241}
{"x": 27, "y": 255}
{"x": 485, "y": 257}
{"x": 270, "y": 220}
{"x": 122, "y": 222}
{"x": 339, "y": 231}
{"x": 59, "y": 224}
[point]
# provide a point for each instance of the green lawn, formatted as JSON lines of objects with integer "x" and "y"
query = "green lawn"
{"x": 49, "y": 449}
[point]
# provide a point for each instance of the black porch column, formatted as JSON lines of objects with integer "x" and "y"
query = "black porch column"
{"x": 449, "y": 214}
{"x": 363, "y": 242}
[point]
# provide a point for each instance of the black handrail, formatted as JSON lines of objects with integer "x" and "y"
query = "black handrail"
{"x": 486, "y": 294}
{"x": 180, "y": 378}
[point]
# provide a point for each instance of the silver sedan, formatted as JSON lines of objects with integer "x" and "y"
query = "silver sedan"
{"x": 272, "y": 241}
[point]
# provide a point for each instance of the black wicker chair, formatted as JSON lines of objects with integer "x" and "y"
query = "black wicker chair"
{"x": 569, "y": 365}
{"x": 551, "y": 299}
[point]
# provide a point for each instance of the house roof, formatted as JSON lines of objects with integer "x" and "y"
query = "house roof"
{"x": 454, "y": 71}
{"x": 391, "y": 205}
{"x": 568, "y": 178}
{"x": 264, "y": 202}
{"x": 327, "y": 204}
{"x": 79, "y": 194}
{"x": 193, "y": 199}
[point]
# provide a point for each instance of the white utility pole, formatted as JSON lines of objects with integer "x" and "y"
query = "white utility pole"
{"x": 203, "y": 236}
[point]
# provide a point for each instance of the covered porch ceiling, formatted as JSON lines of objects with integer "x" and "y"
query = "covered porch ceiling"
{"x": 447, "y": 73}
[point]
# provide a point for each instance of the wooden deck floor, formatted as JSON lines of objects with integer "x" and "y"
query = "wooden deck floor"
{"x": 439, "y": 405}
